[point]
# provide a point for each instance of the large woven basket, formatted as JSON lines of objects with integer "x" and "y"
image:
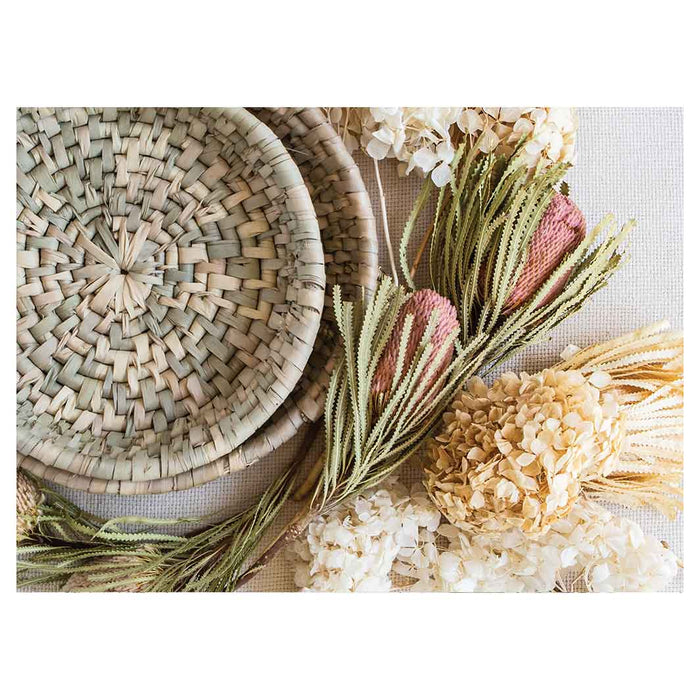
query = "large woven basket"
{"x": 170, "y": 289}
{"x": 348, "y": 233}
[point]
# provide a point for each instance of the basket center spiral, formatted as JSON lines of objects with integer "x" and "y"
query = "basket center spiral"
{"x": 122, "y": 279}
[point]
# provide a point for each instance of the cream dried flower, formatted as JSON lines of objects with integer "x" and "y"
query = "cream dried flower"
{"x": 550, "y": 132}
{"x": 590, "y": 545}
{"x": 420, "y": 138}
{"x": 353, "y": 547}
{"x": 611, "y": 553}
{"x": 393, "y": 539}
{"x": 515, "y": 455}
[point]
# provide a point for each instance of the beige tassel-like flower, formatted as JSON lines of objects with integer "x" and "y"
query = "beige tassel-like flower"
{"x": 607, "y": 419}
{"x": 646, "y": 371}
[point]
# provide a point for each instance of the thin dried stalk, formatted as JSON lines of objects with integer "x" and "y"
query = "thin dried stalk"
{"x": 385, "y": 222}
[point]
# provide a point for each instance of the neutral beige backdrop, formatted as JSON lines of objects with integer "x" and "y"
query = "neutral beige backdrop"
{"x": 629, "y": 163}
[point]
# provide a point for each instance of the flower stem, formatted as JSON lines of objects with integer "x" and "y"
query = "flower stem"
{"x": 295, "y": 529}
{"x": 385, "y": 222}
{"x": 311, "y": 479}
{"x": 421, "y": 250}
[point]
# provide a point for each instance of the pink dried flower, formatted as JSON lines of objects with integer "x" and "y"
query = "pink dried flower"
{"x": 420, "y": 305}
{"x": 561, "y": 229}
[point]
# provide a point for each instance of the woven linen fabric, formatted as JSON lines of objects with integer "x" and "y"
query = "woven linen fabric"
{"x": 630, "y": 162}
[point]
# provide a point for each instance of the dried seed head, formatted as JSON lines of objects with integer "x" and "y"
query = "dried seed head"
{"x": 28, "y": 501}
{"x": 561, "y": 229}
{"x": 515, "y": 455}
{"x": 81, "y": 582}
{"x": 420, "y": 305}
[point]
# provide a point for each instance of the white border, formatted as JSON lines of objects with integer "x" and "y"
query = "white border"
{"x": 362, "y": 53}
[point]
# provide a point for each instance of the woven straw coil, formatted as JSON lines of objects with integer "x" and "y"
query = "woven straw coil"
{"x": 170, "y": 289}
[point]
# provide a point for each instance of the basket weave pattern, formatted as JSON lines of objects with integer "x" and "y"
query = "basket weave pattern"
{"x": 170, "y": 290}
{"x": 348, "y": 232}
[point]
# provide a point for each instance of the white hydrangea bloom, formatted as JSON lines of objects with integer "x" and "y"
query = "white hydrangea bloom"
{"x": 390, "y": 533}
{"x": 604, "y": 552}
{"x": 420, "y": 139}
{"x": 353, "y": 548}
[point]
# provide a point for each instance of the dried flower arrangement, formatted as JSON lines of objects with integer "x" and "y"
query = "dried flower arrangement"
{"x": 503, "y": 236}
{"x": 509, "y": 261}
{"x": 526, "y": 534}
{"x": 521, "y": 453}
{"x": 424, "y": 139}
{"x": 392, "y": 540}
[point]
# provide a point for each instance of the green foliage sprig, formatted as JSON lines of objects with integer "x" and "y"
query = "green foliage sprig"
{"x": 67, "y": 544}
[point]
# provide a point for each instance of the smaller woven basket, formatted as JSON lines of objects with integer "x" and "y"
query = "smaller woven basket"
{"x": 170, "y": 290}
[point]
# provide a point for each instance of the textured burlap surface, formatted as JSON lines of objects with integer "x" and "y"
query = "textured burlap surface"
{"x": 629, "y": 163}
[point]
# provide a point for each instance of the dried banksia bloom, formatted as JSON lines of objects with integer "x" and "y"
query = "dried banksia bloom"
{"x": 646, "y": 372}
{"x": 560, "y": 231}
{"x": 29, "y": 500}
{"x": 421, "y": 340}
{"x": 421, "y": 307}
{"x": 515, "y": 455}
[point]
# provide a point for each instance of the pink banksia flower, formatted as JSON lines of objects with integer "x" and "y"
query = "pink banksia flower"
{"x": 420, "y": 305}
{"x": 560, "y": 231}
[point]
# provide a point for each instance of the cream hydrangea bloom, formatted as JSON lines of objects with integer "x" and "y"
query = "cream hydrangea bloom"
{"x": 391, "y": 538}
{"x": 420, "y": 138}
{"x": 353, "y": 548}
{"x": 550, "y": 131}
{"x": 590, "y": 546}
{"x": 516, "y": 454}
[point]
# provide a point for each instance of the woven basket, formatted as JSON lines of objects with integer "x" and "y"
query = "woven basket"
{"x": 349, "y": 238}
{"x": 170, "y": 290}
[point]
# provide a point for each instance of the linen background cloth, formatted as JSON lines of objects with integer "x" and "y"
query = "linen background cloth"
{"x": 630, "y": 163}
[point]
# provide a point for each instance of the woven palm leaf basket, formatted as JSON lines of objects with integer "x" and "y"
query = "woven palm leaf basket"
{"x": 347, "y": 227}
{"x": 170, "y": 288}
